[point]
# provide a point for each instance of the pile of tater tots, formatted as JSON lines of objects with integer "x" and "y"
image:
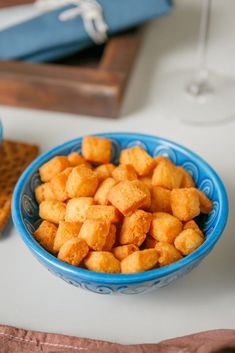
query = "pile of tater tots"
{"x": 124, "y": 218}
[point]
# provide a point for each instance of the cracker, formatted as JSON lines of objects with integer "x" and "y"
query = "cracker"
{"x": 14, "y": 157}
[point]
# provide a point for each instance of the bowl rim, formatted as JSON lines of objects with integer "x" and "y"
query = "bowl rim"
{"x": 124, "y": 279}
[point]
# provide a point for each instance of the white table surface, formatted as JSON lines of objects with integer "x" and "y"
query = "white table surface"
{"x": 30, "y": 297}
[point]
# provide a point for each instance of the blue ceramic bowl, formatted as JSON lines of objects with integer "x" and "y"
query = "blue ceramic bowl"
{"x": 26, "y": 219}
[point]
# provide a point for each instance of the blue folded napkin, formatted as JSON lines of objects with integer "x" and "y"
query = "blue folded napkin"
{"x": 46, "y": 38}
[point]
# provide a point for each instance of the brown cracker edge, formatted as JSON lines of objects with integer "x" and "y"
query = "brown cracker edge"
{"x": 14, "y": 158}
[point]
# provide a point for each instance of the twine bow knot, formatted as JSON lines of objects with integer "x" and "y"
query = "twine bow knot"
{"x": 90, "y": 11}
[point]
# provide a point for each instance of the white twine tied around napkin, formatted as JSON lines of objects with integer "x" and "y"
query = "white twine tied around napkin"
{"x": 90, "y": 11}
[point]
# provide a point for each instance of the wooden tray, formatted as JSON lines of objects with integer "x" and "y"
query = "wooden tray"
{"x": 93, "y": 82}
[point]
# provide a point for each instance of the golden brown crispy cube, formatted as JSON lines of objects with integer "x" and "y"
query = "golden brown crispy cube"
{"x": 111, "y": 238}
{"x": 122, "y": 251}
{"x": 76, "y": 209}
{"x": 206, "y": 205}
{"x": 187, "y": 180}
{"x": 45, "y": 235}
{"x": 54, "y": 166}
{"x": 160, "y": 158}
{"x": 147, "y": 181}
{"x": 39, "y": 193}
{"x": 73, "y": 251}
{"x": 52, "y": 211}
{"x": 126, "y": 197}
{"x": 104, "y": 171}
{"x": 192, "y": 225}
{"x": 167, "y": 253}
{"x": 146, "y": 205}
{"x": 48, "y": 192}
{"x": 75, "y": 159}
{"x": 58, "y": 184}
{"x": 149, "y": 242}
{"x": 101, "y": 195}
{"x": 139, "y": 159}
{"x": 140, "y": 261}
{"x": 66, "y": 231}
{"x": 82, "y": 181}
{"x": 102, "y": 261}
{"x": 167, "y": 175}
{"x": 185, "y": 203}
{"x": 124, "y": 172}
{"x": 161, "y": 200}
{"x": 165, "y": 227}
{"x": 188, "y": 241}
{"x": 135, "y": 227}
{"x": 95, "y": 233}
{"x": 104, "y": 213}
{"x": 97, "y": 149}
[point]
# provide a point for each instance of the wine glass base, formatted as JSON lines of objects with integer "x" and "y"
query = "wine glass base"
{"x": 207, "y": 98}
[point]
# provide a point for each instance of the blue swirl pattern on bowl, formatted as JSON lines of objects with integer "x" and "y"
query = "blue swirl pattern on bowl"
{"x": 26, "y": 219}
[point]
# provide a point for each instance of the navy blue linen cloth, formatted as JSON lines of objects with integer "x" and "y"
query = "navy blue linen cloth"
{"x": 46, "y": 38}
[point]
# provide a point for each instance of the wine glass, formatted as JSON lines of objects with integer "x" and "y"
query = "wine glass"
{"x": 199, "y": 96}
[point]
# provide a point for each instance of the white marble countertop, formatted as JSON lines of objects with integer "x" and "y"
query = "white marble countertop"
{"x": 30, "y": 297}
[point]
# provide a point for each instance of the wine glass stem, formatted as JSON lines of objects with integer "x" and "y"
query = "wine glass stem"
{"x": 199, "y": 85}
{"x": 204, "y": 37}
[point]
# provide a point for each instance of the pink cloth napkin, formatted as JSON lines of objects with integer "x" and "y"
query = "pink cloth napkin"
{"x": 14, "y": 340}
